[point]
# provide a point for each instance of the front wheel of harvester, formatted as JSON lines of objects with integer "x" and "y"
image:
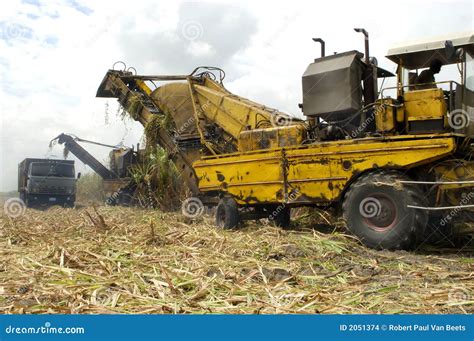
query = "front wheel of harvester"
{"x": 227, "y": 213}
{"x": 376, "y": 210}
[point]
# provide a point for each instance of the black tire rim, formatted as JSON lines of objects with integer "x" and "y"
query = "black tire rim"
{"x": 386, "y": 216}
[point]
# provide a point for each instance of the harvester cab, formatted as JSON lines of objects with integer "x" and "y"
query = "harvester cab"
{"x": 446, "y": 105}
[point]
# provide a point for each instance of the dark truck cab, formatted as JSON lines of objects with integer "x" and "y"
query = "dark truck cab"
{"x": 47, "y": 182}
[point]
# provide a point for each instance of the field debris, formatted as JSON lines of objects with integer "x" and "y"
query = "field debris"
{"x": 130, "y": 260}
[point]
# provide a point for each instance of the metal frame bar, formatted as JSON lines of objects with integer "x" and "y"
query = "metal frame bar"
{"x": 437, "y": 182}
{"x": 440, "y": 208}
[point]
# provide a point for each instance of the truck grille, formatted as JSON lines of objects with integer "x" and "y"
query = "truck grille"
{"x": 52, "y": 190}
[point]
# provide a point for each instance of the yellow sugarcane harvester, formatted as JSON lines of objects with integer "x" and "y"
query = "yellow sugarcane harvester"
{"x": 396, "y": 161}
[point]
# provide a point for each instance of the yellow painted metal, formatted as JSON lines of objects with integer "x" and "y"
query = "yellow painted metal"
{"x": 142, "y": 85}
{"x": 271, "y": 138}
{"x": 455, "y": 194}
{"x": 232, "y": 113}
{"x": 174, "y": 99}
{"x": 428, "y": 104}
{"x": 273, "y": 165}
{"x": 316, "y": 173}
{"x": 388, "y": 115}
{"x": 193, "y": 104}
{"x": 385, "y": 115}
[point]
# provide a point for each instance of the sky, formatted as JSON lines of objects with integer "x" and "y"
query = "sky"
{"x": 54, "y": 55}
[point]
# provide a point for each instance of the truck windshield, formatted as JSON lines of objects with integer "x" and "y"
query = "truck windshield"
{"x": 52, "y": 169}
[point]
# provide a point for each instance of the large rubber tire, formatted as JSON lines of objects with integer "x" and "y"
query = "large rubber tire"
{"x": 28, "y": 202}
{"x": 280, "y": 216}
{"x": 227, "y": 214}
{"x": 69, "y": 204}
{"x": 375, "y": 210}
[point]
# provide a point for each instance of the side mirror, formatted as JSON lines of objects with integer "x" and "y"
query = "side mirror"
{"x": 452, "y": 54}
{"x": 78, "y": 175}
{"x": 449, "y": 49}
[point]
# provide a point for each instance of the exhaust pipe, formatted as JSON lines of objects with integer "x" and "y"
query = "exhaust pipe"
{"x": 370, "y": 85}
{"x": 323, "y": 46}
{"x": 366, "y": 38}
{"x": 370, "y": 82}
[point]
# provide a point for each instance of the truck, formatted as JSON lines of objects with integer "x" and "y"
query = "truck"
{"x": 46, "y": 182}
{"x": 397, "y": 163}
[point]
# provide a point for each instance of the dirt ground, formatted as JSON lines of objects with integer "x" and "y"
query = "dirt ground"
{"x": 129, "y": 260}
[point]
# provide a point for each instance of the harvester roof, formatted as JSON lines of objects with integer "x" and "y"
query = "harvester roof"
{"x": 419, "y": 54}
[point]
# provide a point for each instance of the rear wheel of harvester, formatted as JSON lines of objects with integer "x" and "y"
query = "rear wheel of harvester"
{"x": 375, "y": 210}
{"x": 227, "y": 213}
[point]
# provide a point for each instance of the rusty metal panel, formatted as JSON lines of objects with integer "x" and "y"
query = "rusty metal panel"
{"x": 251, "y": 178}
{"x": 271, "y": 138}
{"x": 316, "y": 173}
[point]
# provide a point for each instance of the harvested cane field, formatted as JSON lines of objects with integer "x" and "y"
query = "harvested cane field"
{"x": 128, "y": 260}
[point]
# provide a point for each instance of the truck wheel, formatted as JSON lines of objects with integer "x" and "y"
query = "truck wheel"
{"x": 68, "y": 205}
{"x": 375, "y": 210}
{"x": 28, "y": 202}
{"x": 280, "y": 216}
{"x": 227, "y": 214}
